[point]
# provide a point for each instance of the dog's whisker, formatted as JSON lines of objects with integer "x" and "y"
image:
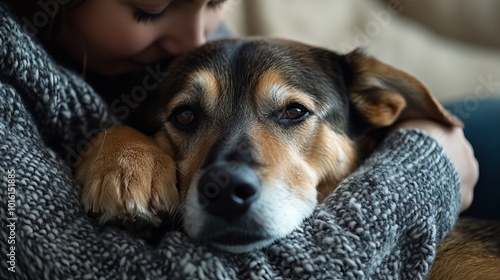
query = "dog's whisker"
{"x": 100, "y": 147}
{"x": 183, "y": 174}
{"x": 177, "y": 217}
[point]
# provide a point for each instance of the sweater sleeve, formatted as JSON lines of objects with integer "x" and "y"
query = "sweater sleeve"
{"x": 60, "y": 102}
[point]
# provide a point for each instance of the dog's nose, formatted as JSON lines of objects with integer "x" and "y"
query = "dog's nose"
{"x": 228, "y": 190}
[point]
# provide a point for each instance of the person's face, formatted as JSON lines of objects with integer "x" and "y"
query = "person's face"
{"x": 122, "y": 36}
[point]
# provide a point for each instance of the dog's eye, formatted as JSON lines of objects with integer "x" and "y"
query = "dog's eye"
{"x": 293, "y": 113}
{"x": 184, "y": 117}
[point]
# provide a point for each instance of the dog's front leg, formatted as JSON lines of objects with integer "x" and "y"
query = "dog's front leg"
{"x": 125, "y": 175}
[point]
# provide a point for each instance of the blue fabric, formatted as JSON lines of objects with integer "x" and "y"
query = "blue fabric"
{"x": 482, "y": 128}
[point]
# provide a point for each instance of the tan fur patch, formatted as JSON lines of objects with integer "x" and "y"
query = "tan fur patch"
{"x": 192, "y": 161}
{"x": 381, "y": 108}
{"x": 333, "y": 157}
{"x": 266, "y": 82}
{"x": 203, "y": 79}
{"x": 282, "y": 161}
{"x": 457, "y": 263}
{"x": 272, "y": 90}
{"x": 470, "y": 251}
{"x": 209, "y": 82}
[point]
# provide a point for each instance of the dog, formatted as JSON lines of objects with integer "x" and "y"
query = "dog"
{"x": 249, "y": 135}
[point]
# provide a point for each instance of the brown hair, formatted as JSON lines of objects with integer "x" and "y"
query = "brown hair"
{"x": 43, "y": 18}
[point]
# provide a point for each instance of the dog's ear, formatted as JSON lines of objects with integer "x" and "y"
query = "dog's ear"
{"x": 383, "y": 95}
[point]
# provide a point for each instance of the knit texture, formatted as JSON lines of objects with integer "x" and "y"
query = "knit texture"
{"x": 383, "y": 222}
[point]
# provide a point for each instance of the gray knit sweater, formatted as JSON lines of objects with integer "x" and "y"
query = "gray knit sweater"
{"x": 383, "y": 222}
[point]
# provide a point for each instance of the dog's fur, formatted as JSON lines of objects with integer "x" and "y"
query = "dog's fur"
{"x": 250, "y": 135}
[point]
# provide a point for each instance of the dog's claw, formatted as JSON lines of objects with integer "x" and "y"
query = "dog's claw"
{"x": 155, "y": 204}
{"x": 140, "y": 224}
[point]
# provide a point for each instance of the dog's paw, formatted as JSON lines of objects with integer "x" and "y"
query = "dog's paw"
{"x": 125, "y": 176}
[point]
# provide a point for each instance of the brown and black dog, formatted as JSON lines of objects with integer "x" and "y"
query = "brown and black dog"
{"x": 249, "y": 135}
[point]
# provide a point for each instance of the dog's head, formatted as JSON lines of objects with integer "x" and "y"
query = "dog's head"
{"x": 263, "y": 129}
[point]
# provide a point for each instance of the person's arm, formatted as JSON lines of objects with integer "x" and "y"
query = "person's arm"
{"x": 457, "y": 148}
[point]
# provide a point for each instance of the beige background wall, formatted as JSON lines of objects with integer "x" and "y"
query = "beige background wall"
{"x": 451, "y": 45}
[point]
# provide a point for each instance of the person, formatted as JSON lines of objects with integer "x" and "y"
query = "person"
{"x": 385, "y": 219}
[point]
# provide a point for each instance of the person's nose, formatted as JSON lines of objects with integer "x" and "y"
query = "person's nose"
{"x": 186, "y": 33}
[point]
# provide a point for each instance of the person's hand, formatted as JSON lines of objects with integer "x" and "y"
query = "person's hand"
{"x": 458, "y": 149}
